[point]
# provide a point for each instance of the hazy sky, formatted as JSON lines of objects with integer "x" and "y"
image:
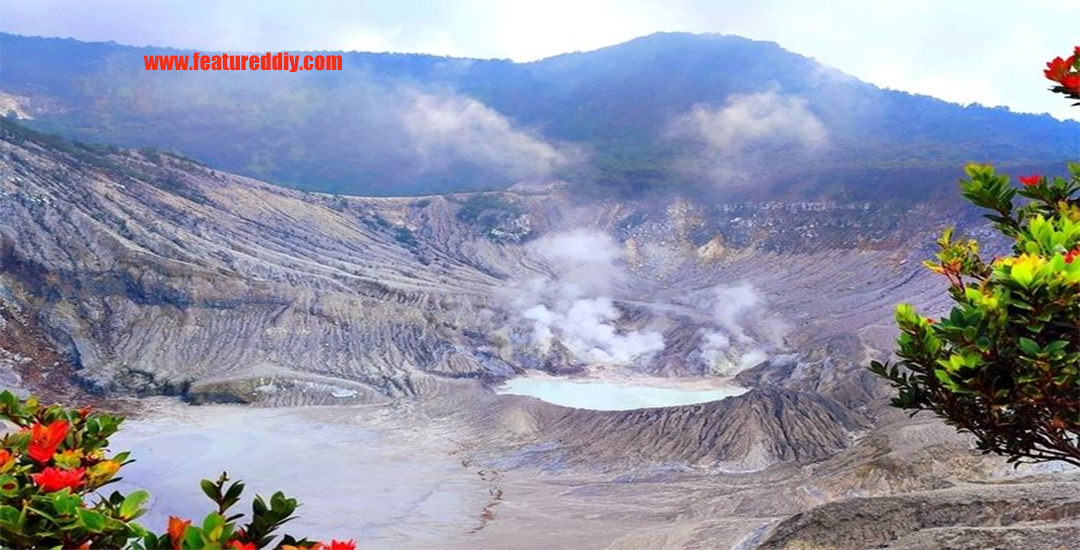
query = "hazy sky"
{"x": 988, "y": 51}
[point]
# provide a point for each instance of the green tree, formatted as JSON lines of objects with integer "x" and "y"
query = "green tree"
{"x": 1004, "y": 364}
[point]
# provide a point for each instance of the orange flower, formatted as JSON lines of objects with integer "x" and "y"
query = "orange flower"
{"x": 177, "y": 527}
{"x": 45, "y": 439}
{"x": 237, "y": 545}
{"x": 6, "y": 460}
{"x": 53, "y": 479}
{"x": 1030, "y": 180}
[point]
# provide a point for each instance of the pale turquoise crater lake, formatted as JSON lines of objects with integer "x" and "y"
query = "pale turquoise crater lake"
{"x": 619, "y": 395}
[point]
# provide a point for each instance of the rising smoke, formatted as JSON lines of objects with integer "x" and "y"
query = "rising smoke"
{"x": 571, "y": 306}
{"x": 744, "y": 334}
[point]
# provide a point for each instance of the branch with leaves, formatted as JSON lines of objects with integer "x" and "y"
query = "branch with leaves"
{"x": 1004, "y": 365}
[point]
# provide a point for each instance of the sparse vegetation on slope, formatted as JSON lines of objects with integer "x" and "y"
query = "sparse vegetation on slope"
{"x": 1004, "y": 365}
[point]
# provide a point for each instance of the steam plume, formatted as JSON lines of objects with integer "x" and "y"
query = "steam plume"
{"x": 744, "y": 335}
{"x": 571, "y": 306}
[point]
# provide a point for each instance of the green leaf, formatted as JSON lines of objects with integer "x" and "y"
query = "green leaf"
{"x": 235, "y": 490}
{"x": 193, "y": 538}
{"x": 131, "y": 508}
{"x": 1029, "y": 346}
{"x": 944, "y": 377}
{"x": 10, "y": 518}
{"x": 92, "y": 520}
{"x": 8, "y": 401}
{"x": 211, "y": 490}
{"x": 66, "y": 503}
{"x": 213, "y": 527}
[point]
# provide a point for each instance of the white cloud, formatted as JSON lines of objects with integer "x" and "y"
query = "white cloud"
{"x": 961, "y": 50}
{"x": 744, "y": 135}
{"x": 744, "y": 121}
{"x": 446, "y": 128}
{"x": 584, "y": 260}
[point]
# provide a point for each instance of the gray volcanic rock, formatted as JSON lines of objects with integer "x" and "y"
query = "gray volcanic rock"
{"x": 834, "y": 366}
{"x": 142, "y": 274}
{"x": 168, "y": 274}
{"x": 747, "y": 432}
{"x": 1026, "y": 516}
{"x": 1021, "y": 536}
{"x": 155, "y": 275}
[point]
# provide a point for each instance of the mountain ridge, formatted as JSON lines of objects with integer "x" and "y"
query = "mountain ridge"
{"x": 617, "y": 120}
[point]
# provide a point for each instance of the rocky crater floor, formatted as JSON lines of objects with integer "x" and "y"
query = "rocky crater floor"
{"x": 350, "y": 349}
{"x": 416, "y": 475}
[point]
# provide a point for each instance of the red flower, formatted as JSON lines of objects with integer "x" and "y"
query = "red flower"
{"x": 1030, "y": 180}
{"x": 1057, "y": 68}
{"x": 45, "y": 439}
{"x": 1072, "y": 255}
{"x": 334, "y": 545}
{"x": 54, "y": 479}
{"x": 1071, "y": 82}
{"x": 237, "y": 545}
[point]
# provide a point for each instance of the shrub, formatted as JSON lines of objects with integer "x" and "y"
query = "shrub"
{"x": 55, "y": 462}
{"x": 1004, "y": 364}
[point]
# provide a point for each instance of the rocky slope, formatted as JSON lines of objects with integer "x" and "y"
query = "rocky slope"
{"x": 750, "y": 431}
{"x": 1030, "y": 515}
{"x": 151, "y": 273}
{"x": 135, "y": 273}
